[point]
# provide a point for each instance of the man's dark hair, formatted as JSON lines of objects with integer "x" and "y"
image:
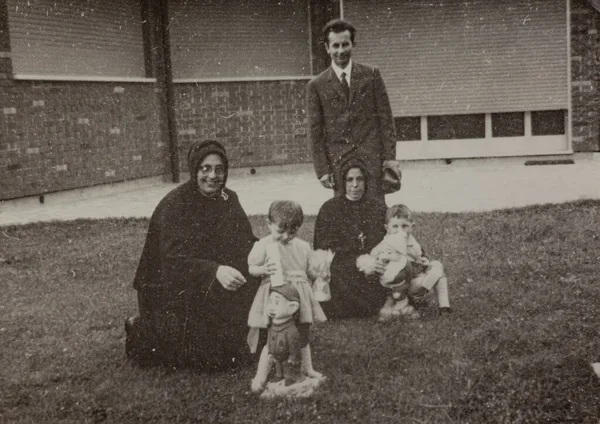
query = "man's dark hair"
{"x": 337, "y": 26}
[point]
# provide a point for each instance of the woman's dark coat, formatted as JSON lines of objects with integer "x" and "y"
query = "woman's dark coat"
{"x": 350, "y": 229}
{"x": 186, "y": 314}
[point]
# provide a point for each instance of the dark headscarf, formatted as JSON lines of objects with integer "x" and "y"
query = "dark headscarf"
{"x": 200, "y": 150}
{"x": 346, "y": 164}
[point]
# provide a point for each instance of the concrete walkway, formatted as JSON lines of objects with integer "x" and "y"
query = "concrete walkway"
{"x": 463, "y": 185}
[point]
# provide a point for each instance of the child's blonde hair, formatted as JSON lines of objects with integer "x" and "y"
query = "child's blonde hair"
{"x": 398, "y": 211}
{"x": 287, "y": 213}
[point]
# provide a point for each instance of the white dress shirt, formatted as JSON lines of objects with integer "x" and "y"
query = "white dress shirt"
{"x": 338, "y": 71}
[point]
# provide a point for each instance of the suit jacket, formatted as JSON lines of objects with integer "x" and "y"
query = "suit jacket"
{"x": 362, "y": 126}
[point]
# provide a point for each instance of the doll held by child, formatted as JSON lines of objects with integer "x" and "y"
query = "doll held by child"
{"x": 320, "y": 267}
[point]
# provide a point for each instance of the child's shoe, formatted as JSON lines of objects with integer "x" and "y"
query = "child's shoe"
{"x": 445, "y": 311}
{"x": 419, "y": 298}
{"x": 420, "y": 292}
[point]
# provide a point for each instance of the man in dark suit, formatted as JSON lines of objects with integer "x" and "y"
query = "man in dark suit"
{"x": 349, "y": 113}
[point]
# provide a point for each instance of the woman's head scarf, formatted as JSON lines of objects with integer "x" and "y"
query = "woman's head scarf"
{"x": 349, "y": 162}
{"x": 200, "y": 150}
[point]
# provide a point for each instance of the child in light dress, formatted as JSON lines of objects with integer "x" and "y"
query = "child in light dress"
{"x": 282, "y": 257}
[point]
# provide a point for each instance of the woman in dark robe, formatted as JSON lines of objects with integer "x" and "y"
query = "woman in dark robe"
{"x": 351, "y": 225}
{"x": 193, "y": 288}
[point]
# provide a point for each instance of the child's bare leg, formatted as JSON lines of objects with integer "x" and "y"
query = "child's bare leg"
{"x": 441, "y": 289}
{"x": 435, "y": 271}
{"x": 265, "y": 363}
{"x": 435, "y": 279}
{"x": 307, "y": 366}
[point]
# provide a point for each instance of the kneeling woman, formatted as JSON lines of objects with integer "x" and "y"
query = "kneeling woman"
{"x": 351, "y": 225}
{"x": 193, "y": 288}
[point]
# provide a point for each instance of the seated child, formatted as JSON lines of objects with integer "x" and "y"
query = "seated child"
{"x": 392, "y": 250}
{"x": 279, "y": 257}
{"x": 426, "y": 275}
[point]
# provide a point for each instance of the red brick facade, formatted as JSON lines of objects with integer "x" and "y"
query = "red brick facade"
{"x": 62, "y": 135}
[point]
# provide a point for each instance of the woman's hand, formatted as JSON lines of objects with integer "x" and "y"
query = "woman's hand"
{"x": 370, "y": 266}
{"x": 230, "y": 278}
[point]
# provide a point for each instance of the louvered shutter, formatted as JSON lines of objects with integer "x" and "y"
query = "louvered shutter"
{"x": 76, "y": 38}
{"x": 455, "y": 56}
{"x": 239, "y": 38}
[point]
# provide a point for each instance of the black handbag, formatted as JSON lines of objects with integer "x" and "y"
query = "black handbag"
{"x": 391, "y": 178}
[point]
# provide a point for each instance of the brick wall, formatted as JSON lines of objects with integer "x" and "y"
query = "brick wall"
{"x": 585, "y": 95}
{"x": 5, "y": 63}
{"x": 260, "y": 123}
{"x": 61, "y": 135}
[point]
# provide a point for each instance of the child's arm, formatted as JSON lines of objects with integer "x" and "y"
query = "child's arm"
{"x": 256, "y": 270}
{"x": 415, "y": 251}
{"x": 256, "y": 261}
{"x": 261, "y": 270}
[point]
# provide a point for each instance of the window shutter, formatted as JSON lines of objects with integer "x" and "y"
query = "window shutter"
{"x": 77, "y": 38}
{"x": 456, "y": 56}
{"x": 239, "y": 38}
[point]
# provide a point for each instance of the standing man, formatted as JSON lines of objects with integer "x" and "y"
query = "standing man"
{"x": 349, "y": 114}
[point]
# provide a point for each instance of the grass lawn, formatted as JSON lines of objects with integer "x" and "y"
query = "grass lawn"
{"x": 524, "y": 288}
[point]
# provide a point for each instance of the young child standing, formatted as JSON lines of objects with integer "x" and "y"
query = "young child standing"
{"x": 426, "y": 275}
{"x": 292, "y": 266}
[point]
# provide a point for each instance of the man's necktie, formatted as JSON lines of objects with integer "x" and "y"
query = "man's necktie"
{"x": 345, "y": 86}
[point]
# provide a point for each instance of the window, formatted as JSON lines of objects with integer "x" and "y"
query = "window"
{"x": 408, "y": 128}
{"x": 452, "y": 127}
{"x": 548, "y": 122}
{"x": 510, "y": 124}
